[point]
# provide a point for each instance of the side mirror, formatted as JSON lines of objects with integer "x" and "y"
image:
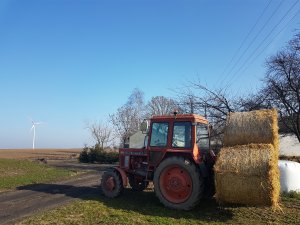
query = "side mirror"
{"x": 144, "y": 126}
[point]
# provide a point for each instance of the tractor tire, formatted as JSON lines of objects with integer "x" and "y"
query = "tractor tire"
{"x": 112, "y": 184}
{"x": 178, "y": 184}
{"x": 137, "y": 183}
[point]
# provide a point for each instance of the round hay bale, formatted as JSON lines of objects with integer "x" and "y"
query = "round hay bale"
{"x": 257, "y": 127}
{"x": 249, "y": 160}
{"x": 247, "y": 174}
{"x": 237, "y": 189}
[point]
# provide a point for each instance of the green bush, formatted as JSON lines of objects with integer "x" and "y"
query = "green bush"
{"x": 97, "y": 155}
{"x": 84, "y": 157}
{"x": 292, "y": 194}
{"x": 93, "y": 155}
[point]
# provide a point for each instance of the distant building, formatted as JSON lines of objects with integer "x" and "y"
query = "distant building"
{"x": 137, "y": 140}
{"x": 289, "y": 145}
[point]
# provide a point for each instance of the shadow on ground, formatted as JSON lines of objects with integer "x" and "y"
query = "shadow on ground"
{"x": 147, "y": 203}
{"x": 144, "y": 203}
{"x": 75, "y": 165}
{"x": 79, "y": 192}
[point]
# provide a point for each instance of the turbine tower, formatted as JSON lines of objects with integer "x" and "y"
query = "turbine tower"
{"x": 33, "y": 129}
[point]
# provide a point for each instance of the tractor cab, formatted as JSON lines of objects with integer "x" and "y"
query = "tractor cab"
{"x": 186, "y": 134}
{"x": 173, "y": 157}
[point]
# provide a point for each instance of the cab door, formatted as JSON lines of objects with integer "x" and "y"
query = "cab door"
{"x": 158, "y": 143}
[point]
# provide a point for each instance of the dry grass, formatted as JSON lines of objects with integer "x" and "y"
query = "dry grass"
{"x": 256, "y": 127}
{"x": 57, "y": 154}
{"x": 248, "y": 174}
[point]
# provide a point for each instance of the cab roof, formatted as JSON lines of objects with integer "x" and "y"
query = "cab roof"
{"x": 180, "y": 117}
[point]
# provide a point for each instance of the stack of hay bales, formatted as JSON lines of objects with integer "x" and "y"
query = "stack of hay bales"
{"x": 246, "y": 171}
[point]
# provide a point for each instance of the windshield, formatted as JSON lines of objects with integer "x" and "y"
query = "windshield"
{"x": 159, "y": 135}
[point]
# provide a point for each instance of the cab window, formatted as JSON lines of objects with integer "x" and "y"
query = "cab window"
{"x": 202, "y": 137}
{"x": 159, "y": 135}
{"x": 182, "y": 135}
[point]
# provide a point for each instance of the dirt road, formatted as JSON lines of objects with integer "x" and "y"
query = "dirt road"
{"x": 28, "y": 200}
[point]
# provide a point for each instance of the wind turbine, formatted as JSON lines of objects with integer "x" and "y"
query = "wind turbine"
{"x": 33, "y": 129}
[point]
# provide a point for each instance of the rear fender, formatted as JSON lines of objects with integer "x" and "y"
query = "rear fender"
{"x": 123, "y": 175}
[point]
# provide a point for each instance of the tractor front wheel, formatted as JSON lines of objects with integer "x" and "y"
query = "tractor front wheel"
{"x": 178, "y": 184}
{"x": 111, "y": 184}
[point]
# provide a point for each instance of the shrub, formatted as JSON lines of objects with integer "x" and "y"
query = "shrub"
{"x": 97, "y": 154}
{"x": 111, "y": 157}
{"x": 292, "y": 194}
{"x": 83, "y": 157}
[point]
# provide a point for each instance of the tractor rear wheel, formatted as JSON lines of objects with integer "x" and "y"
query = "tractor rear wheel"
{"x": 137, "y": 183}
{"x": 178, "y": 184}
{"x": 111, "y": 184}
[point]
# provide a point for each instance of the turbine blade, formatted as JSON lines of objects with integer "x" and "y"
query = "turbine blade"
{"x": 38, "y": 123}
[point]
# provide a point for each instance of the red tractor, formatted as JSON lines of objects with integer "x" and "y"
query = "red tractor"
{"x": 176, "y": 157}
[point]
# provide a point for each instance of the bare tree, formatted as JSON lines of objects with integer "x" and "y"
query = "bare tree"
{"x": 101, "y": 133}
{"x": 125, "y": 122}
{"x": 161, "y": 105}
{"x": 282, "y": 85}
{"x": 128, "y": 117}
{"x": 136, "y": 101}
{"x": 216, "y": 104}
{"x": 213, "y": 104}
{"x": 253, "y": 102}
{"x": 136, "y": 106}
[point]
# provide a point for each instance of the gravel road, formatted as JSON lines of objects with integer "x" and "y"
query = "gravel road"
{"x": 28, "y": 200}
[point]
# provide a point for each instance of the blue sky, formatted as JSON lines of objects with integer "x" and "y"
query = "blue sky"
{"x": 65, "y": 62}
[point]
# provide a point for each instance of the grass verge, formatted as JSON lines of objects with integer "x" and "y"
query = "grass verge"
{"x": 144, "y": 208}
{"x": 15, "y": 173}
{"x": 292, "y": 194}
